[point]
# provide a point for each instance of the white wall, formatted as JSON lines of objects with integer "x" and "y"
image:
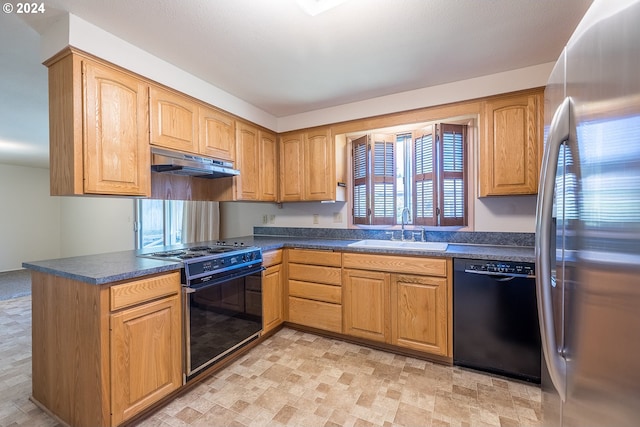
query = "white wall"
{"x": 29, "y": 217}
{"x": 92, "y": 225}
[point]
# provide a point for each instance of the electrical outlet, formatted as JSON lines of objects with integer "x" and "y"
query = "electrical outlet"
{"x": 316, "y": 218}
{"x": 265, "y": 219}
{"x": 337, "y": 217}
{"x": 272, "y": 219}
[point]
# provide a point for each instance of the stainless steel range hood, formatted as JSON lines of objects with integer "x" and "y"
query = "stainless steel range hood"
{"x": 174, "y": 162}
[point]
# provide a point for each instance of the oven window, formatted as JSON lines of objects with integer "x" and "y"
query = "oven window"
{"x": 222, "y": 317}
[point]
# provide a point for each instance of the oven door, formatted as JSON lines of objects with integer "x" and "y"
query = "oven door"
{"x": 221, "y": 316}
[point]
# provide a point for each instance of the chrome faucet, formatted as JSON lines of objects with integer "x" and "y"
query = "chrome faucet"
{"x": 405, "y": 219}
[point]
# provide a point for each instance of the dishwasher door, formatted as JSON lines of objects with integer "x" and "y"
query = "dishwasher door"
{"x": 495, "y": 319}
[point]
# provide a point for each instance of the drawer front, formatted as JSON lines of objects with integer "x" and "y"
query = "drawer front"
{"x": 397, "y": 264}
{"x": 315, "y": 314}
{"x": 306, "y": 256}
{"x": 139, "y": 291}
{"x": 314, "y": 273}
{"x": 272, "y": 258}
{"x": 316, "y": 291}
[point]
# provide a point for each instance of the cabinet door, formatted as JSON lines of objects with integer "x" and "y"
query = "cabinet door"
{"x": 116, "y": 148}
{"x": 146, "y": 349}
{"x": 247, "y": 161}
{"x": 510, "y": 155}
{"x": 291, "y": 167}
{"x": 272, "y": 297}
{"x": 174, "y": 120}
{"x": 366, "y": 304}
{"x": 217, "y": 134}
{"x": 319, "y": 166}
{"x": 419, "y": 313}
{"x": 268, "y": 167}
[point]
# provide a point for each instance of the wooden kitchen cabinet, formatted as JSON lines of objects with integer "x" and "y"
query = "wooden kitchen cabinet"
{"x": 174, "y": 120}
{"x": 400, "y": 300}
{"x": 314, "y": 289}
{"x": 268, "y": 184}
{"x": 308, "y": 166}
{"x": 419, "y": 313}
{"x": 272, "y": 291}
{"x": 366, "y": 304}
{"x": 102, "y": 354}
{"x": 256, "y": 160}
{"x": 511, "y": 151}
{"x": 146, "y": 353}
{"x": 98, "y": 128}
{"x": 217, "y": 134}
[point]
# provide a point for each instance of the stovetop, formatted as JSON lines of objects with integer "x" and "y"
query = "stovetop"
{"x": 196, "y": 252}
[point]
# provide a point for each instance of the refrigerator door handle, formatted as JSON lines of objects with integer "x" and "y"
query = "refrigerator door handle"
{"x": 559, "y": 133}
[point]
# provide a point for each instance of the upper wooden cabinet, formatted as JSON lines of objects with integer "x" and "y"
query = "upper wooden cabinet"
{"x": 174, "y": 120}
{"x": 308, "y": 166}
{"x": 98, "y": 129}
{"x": 256, "y": 160}
{"x": 268, "y": 166}
{"x": 217, "y": 134}
{"x": 511, "y": 150}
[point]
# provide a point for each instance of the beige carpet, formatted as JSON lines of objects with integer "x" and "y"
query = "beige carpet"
{"x": 14, "y": 284}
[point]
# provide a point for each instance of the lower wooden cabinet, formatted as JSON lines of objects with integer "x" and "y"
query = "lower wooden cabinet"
{"x": 314, "y": 289}
{"x": 366, "y": 304}
{"x": 386, "y": 301}
{"x": 272, "y": 291}
{"x": 419, "y": 313}
{"x": 102, "y": 354}
{"x": 146, "y": 354}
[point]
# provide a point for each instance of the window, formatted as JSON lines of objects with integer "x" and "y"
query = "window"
{"x": 422, "y": 171}
{"x": 159, "y": 223}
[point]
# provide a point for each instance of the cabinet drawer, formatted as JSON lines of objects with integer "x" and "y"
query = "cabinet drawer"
{"x": 397, "y": 264}
{"x": 306, "y": 256}
{"x": 314, "y": 273}
{"x": 272, "y": 258}
{"x": 315, "y": 291}
{"x": 315, "y": 314}
{"x": 132, "y": 293}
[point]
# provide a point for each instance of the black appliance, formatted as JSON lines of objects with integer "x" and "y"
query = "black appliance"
{"x": 495, "y": 318}
{"x": 222, "y": 298}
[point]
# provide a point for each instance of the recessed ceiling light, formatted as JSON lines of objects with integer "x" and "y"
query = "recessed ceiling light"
{"x": 315, "y": 7}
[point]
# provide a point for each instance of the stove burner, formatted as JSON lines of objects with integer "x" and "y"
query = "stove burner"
{"x": 169, "y": 254}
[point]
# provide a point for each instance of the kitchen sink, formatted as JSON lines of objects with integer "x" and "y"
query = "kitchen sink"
{"x": 397, "y": 244}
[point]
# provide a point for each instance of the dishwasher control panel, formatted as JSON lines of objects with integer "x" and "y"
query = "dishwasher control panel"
{"x": 501, "y": 267}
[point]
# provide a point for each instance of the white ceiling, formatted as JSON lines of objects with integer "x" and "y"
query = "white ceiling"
{"x": 272, "y": 55}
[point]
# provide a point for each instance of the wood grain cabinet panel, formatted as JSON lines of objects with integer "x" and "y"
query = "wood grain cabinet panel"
{"x": 146, "y": 351}
{"x": 419, "y": 313}
{"x": 314, "y": 289}
{"x": 98, "y": 129}
{"x": 174, "y": 120}
{"x": 308, "y": 166}
{"x": 272, "y": 297}
{"x": 217, "y": 134}
{"x": 248, "y": 161}
{"x": 511, "y": 151}
{"x": 366, "y": 304}
{"x": 268, "y": 166}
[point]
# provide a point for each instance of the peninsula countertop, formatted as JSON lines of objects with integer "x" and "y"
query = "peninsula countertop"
{"x": 103, "y": 269}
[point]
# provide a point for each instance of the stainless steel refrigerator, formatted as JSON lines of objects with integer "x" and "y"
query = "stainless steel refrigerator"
{"x": 588, "y": 224}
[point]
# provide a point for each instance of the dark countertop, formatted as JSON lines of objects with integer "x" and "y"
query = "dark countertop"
{"x": 116, "y": 266}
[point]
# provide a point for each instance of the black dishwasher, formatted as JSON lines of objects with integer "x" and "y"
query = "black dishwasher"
{"x": 495, "y": 318}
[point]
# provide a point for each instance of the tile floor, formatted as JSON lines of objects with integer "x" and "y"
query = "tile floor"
{"x": 295, "y": 378}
